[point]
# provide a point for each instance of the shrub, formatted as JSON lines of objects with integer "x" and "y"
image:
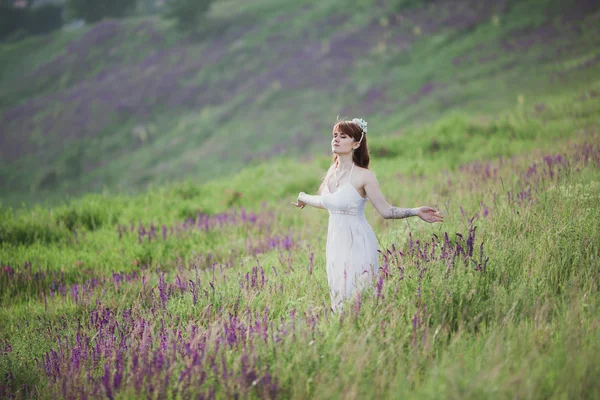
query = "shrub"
{"x": 186, "y": 190}
{"x": 29, "y": 229}
{"x": 188, "y": 212}
{"x": 90, "y": 213}
{"x": 187, "y": 13}
{"x": 45, "y": 19}
{"x": 48, "y": 180}
{"x": 400, "y": 5}
{"x": 93, "y": 10}
{"x": 37, "y": 21}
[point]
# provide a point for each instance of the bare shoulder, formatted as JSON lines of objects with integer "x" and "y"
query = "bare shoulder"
{"x": 365, "y": 175}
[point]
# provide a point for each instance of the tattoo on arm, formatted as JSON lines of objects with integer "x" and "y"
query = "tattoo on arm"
{"x": 399, "y": 213}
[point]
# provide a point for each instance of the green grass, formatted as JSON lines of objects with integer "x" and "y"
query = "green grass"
{"x": 526, "y": 326}
{"x": 239, "y": 305}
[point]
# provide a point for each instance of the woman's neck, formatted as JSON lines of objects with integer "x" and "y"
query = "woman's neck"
{"x": 344, "y": 161}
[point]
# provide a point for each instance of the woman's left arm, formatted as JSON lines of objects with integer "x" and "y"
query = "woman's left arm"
{"x": 387, "y": 211}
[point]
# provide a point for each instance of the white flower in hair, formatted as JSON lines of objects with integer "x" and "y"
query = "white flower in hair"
{"x": 362, "y": 123}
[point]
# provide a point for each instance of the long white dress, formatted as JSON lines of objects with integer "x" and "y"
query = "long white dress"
{"x": 351, "y": 243}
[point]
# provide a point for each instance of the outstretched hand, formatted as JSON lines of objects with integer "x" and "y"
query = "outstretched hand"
{"x": 299, "y": 204}
{"x": 429, "y": 214}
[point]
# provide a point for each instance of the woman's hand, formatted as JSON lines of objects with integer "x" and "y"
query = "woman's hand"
{"x": 299, "y": 203}
{"x": 429, "y": 214}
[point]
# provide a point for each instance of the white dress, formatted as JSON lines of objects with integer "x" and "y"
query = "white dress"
{"x": 351, "y": 243}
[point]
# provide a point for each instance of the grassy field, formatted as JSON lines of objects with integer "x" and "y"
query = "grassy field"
{"x": 196, "y": 290}
{"x": 178, "y": 286}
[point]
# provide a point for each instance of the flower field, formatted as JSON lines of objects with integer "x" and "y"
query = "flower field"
{"x": 130, "y": 297}
{"x": 148, "y": 248}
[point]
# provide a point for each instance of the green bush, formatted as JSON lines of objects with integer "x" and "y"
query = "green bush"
{"x": 186, "y": 212}
{"x": 36, "y": 227}
{"x": 186, "y": 190}
{"x": 403, "y": 4}
{"x": 187, "y": 13}
{"x": 45, "y": 19}
{"x": 36, "y": 21}
{"x": 90, "y": 213}
{"x": 93, "y": 10}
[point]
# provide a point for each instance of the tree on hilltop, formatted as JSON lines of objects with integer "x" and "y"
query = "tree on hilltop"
{"x": 187, "y": 13}
{"x": 94, "y": 10}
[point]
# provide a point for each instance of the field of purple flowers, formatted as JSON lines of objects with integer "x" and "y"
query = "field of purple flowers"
{"x": 151, "y": 297}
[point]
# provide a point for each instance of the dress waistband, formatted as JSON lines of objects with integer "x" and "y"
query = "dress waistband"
{"x": 344, "y": 212}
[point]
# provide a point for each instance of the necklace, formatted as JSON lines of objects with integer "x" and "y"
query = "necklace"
{"x": 337, "y": 180}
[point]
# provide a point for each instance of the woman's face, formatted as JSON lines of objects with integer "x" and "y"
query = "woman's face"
{"x": 341, "y": 143}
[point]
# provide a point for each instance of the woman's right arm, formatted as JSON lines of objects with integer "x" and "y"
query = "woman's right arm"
{"x": 314, "y": 201}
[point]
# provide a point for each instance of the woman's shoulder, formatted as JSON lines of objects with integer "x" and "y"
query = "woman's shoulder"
{"x": 365, "y": 174}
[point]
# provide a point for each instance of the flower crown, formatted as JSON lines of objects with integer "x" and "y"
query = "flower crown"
{"x": 361, "y": 123}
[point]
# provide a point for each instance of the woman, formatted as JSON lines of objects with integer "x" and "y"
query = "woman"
{"x": 351, "y": 244}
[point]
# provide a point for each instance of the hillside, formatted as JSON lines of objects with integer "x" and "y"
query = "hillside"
{"x": 124, "y": 104}
{"x": 207, "y": 283}
{"x": 196, "y": 290}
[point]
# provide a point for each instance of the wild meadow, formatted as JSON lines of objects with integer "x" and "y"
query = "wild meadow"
{"x": 148, "y": 247}
{"x": 130, "y": 297}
